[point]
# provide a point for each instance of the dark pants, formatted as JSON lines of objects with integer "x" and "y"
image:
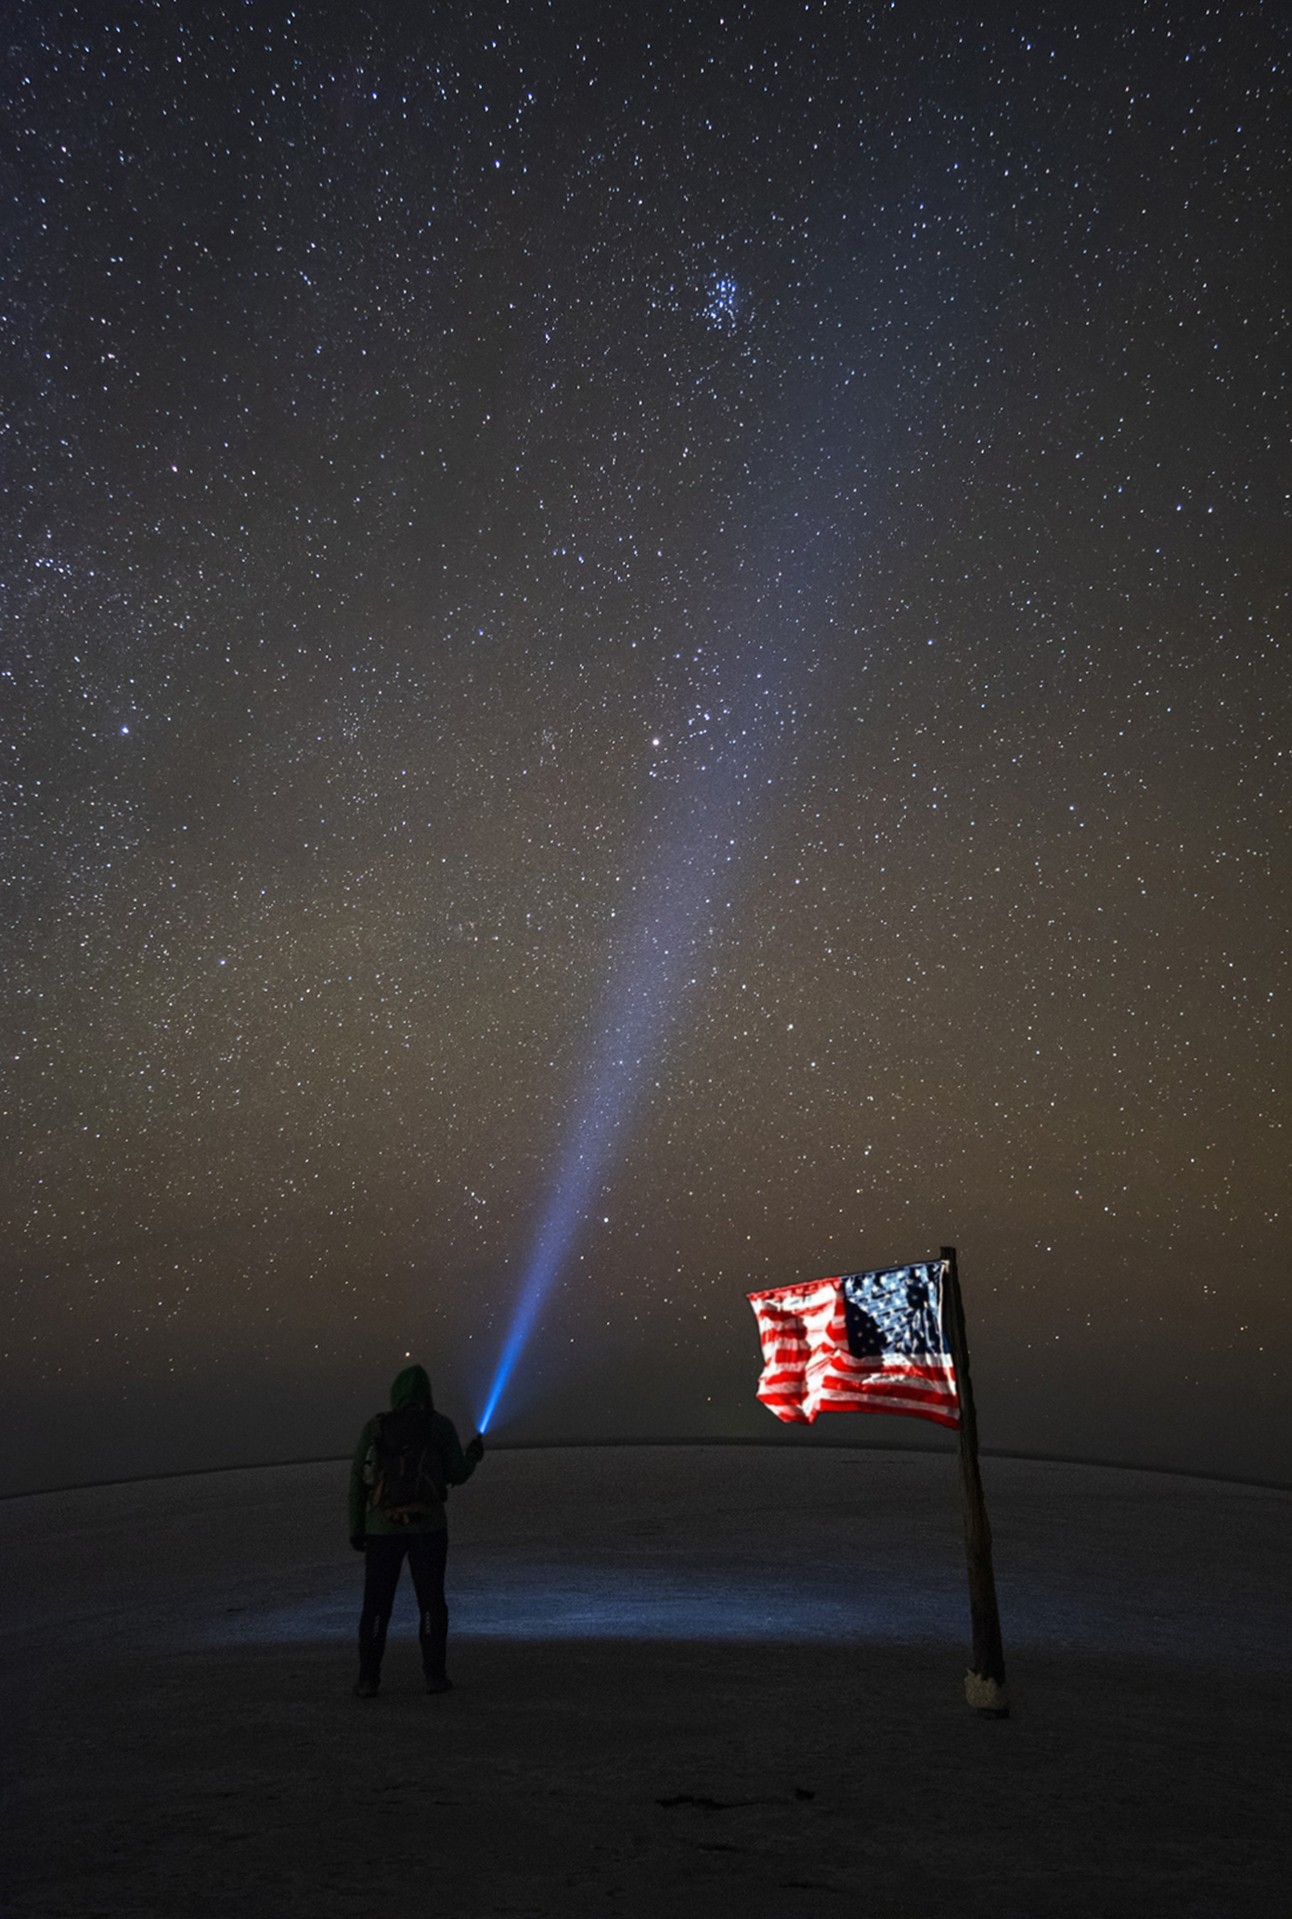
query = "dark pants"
{"x": 383, "y": 1558}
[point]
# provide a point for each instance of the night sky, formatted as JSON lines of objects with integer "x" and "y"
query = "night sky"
{"x": 666, "y": 619}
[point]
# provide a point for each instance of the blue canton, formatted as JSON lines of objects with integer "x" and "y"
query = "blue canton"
{"x": 895, "y": 1311}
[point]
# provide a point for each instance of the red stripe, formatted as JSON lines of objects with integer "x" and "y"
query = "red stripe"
{"x": 839, "y": 1389}
{"x": 790, "y": 1405}
{"x": 874, "y": 1388}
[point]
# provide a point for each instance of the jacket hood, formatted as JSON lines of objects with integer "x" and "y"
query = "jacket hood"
{"x": 412, "y": 1387}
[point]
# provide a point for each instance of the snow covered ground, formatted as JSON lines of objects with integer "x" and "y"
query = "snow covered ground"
{"x": 689, "y": 1680}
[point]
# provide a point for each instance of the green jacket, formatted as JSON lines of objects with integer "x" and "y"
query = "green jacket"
{"x": 411, "y": 1388}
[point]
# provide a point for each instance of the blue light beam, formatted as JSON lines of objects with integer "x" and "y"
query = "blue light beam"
{"x": 799, "y": 554}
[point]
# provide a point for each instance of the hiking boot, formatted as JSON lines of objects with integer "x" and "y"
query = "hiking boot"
{"x": 438, "y": 1682}
{"x": 366, "y": 1689}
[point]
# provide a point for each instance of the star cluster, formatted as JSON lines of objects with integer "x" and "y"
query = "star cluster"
{"x": 778, "y": 512}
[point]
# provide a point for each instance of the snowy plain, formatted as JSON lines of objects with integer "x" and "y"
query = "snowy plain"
{"x": 698, "y": 1679}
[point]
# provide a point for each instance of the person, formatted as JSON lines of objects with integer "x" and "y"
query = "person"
{"x": 403, "y": 1465}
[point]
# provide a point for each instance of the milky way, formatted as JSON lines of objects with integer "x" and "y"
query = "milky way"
{"x": 494, "y": 491}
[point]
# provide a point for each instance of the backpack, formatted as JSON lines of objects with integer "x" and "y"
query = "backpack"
{"x": 403, "y": 1472}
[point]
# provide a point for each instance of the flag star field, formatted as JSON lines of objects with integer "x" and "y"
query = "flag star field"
{"x": 644, "y": 656}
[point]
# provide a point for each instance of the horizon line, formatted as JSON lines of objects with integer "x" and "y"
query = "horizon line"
{"x": 548, "y": 1445}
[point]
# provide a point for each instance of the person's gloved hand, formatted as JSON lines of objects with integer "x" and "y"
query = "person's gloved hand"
{"x": 358, "y": 1541}
{"x": 475, "y": 1451}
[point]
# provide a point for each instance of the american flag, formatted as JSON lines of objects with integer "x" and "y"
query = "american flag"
{"x": 863, "y": 1343}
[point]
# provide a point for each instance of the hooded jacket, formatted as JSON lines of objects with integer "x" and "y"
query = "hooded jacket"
{"x": 411, "y": 1388}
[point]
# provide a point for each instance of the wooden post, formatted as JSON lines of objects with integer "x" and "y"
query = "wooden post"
{"x": 985, "y": 1684}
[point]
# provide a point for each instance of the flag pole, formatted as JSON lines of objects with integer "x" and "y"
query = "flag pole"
{"x": 985, "y": 1684}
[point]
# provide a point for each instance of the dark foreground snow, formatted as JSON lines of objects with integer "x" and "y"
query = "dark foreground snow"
{"x": 709, "y": 1680}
